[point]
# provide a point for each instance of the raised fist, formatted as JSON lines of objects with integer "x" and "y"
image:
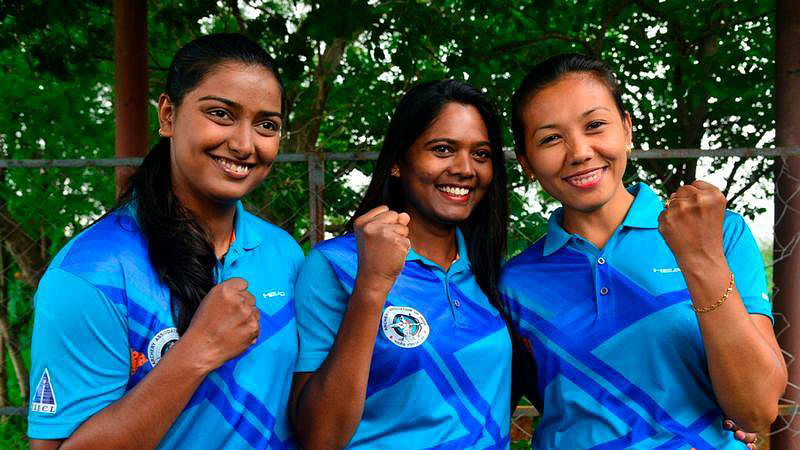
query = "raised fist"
{"x": 226, "y": 322}
{"x": 691, "y": 222}
{"x": 382, "y": 238}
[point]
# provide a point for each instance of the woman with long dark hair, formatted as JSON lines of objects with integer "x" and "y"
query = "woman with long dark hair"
{"x": 170, "y": 321}
{"x": 402, "y": 340}
{"x": 649, "y": 321}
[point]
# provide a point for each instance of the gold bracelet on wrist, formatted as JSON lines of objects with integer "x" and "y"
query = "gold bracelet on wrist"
{"x": 705, "y": 309}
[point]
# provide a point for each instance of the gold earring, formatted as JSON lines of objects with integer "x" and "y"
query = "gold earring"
{"x": 395, "y": 172}
{"x": 628, "y": 148}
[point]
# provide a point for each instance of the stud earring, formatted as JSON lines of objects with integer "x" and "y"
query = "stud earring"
{"x": 628, "y": 148}
{"x": 395, "y": 172}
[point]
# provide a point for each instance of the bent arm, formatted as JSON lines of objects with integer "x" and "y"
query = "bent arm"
{"x": 342, "y": 378}
{"x": 748, "y": 372}
{"x": 141, "y": 418}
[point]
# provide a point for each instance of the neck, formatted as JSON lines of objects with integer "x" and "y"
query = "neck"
{"x": 215, "y": 218}
{"x": 598, "y": 225}
{"x": 436, "y": 242}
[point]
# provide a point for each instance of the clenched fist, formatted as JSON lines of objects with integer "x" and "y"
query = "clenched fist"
{"x": 226, "y": 322}
{"x": 691, "y": 224}
{"x": 382, "y": 238}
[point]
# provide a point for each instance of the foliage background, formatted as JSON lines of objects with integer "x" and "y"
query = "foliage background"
{"x": 697, "y": 74}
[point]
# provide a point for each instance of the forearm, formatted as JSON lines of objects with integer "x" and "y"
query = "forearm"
{"x": 747, "y": 388}
{"x": 342, "y": 378}
{"x": 141, "y": 418}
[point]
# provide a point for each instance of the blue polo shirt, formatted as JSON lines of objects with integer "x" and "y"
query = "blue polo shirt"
{"x": 621, "y": 362}
{"x": 103, "y": 321}
{"x": 441, "y": 368}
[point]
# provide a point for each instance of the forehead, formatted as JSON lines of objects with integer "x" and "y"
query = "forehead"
{"x": 250, "y": 85}
{"x": 568, "y": 98}
{"x": 457, "y": 121}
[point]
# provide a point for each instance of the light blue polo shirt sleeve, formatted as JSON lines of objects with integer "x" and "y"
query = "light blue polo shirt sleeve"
{"x": 744, "y": 259}
{"x": 320, "y": 301}
{"x": 80, "y": 358}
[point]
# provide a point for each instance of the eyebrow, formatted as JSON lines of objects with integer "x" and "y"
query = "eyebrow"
{"x": 454, "y": 142}
{"x": 584, "y": 114}
{"x": 233, "y": 104}
{"x": 596, "y": 108}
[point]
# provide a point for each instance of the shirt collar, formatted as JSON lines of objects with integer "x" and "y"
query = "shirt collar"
{"x": 458, "y": 265}
{"x": 246, "y": 237}
{"x": 646, "y": 207}
{"x": 643, "y": 213}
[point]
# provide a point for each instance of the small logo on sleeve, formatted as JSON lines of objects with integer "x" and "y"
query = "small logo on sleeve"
{"x": 404, "y": 327}
{"x": 765, "y": 296}
{"x": 161, "y": 343}
{"x": 137, "y": 360}
{"x": 44, "y": 400}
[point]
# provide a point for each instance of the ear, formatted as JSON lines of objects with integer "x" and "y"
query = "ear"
{"x": 628, "y": 124}
{"x": 526, "y": 168}
{"x": 166, "y": 116}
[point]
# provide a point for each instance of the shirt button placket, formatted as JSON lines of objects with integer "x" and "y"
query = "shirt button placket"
{"x": 602, "y": 282}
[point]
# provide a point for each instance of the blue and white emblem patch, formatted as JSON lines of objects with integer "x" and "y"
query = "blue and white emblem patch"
{"x": 161, "y": 343}
{"x": 44, "y": 399}
{"x": 404, "y": 327}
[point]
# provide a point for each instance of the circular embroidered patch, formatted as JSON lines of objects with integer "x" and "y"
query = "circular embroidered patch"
{"x": 161, "y": 343}
{"x": 404, "y": 327}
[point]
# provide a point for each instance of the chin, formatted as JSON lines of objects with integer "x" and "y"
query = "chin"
{"x": 451, "y": 219}
{"x": 227, "y": 196}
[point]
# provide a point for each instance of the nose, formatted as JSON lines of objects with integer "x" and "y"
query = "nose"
{"x": 462, "y": 164}
{"x": 240, "y": 141}
{"x": 579, "y": 150}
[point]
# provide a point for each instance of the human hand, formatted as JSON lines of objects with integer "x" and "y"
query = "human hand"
{"x": 382, "y": 239}
{"x": 225, "y": 323}
{"x": 749, "y": 439}
{"x": 691, "y": 223}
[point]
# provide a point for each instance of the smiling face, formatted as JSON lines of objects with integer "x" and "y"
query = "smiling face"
{"x": 576, "y": 142}
{"x": 448, "y": 168}
{"x": 225, "y": 134}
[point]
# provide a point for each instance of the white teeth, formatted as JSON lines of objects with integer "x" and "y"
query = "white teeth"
{"x": 588, "y": 178}
{"x": 459, "y": 191}
{"x": 232, "y": 166}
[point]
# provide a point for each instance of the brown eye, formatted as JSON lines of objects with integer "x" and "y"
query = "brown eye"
{"x": 219, "y": 114}
{"x": 595, "y": 124}
{"x": 482, "y": 154}
{"x": 548, "y": 139}
{"x": 269, "y": 128}
{"x": 441, "y": 149}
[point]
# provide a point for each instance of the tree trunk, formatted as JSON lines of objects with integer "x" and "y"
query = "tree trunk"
{"x": 16, "y": 358}
{"x": 130, "y": 83}
{"x": 3, "y": 307}
{"x": 787, "y": 207}
{"x": 304, "y": 130}
{"x": 22, "y": 247}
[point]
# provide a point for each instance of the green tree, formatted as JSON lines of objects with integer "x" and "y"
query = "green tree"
{"x": 695, "y": 72}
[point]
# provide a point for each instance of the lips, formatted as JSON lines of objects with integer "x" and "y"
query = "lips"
{"x": 234, "y": 169}
{"x": 455, "y": 192}
{"x": 587, "y": 178}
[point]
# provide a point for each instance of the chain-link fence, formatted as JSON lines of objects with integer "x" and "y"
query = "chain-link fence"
{"x": 43, "y": 203}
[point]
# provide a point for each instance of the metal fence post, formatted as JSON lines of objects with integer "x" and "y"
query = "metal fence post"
{"x": 316, "y": 207}
{"x": 130, "y": 83}
{"x": 787, "y": 207}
